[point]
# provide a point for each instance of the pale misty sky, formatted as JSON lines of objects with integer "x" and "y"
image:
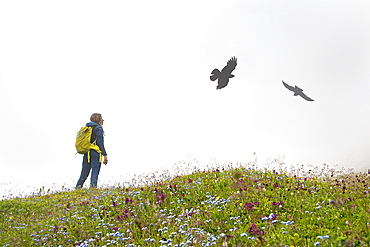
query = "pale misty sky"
{"x": 145, "y": 66}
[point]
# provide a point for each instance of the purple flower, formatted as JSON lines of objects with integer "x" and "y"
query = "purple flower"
{"x": 274, "y": 203}
{"x": 114, "y": 228}
{"x": 256, "y": 203}
{"x": 190, "y": 180}
{"x": 248, "y": 205}
{"x": 159, "y": 197}
{"x": 114, "y": 204}
{"x": 253, "y": 230}
{"x": 275, "y": 185}
{"x": 351, "y": 206}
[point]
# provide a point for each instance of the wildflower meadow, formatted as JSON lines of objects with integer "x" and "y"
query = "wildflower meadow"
{"x": 228, "y": 205}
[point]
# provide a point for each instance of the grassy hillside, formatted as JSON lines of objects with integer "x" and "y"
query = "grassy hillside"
{"x": 220, "y": 206}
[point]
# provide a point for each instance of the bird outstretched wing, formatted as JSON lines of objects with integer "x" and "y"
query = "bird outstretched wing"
{"x": 231, "y": 64}
{"x": 305, "y": 97}
{"x": 288, "y": 87}
{"x": 222, "y": 82}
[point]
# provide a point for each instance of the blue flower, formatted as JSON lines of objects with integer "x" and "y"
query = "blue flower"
{"x": 316, "y": 243}
{"x": 326, "y": 236}
{"x": 243, "y": 235}
{"x": 319, "y": 237}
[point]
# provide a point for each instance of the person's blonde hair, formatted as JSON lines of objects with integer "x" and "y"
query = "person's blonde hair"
{"x": 96, "y": 118}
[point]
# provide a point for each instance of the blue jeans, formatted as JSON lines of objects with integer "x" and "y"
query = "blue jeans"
{"x": 86, "y": 167}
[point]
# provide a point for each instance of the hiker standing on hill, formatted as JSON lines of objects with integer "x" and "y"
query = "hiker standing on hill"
{"x": 92, "y": 159}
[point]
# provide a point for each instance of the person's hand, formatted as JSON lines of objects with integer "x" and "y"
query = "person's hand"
{"x": 105, "y": 161}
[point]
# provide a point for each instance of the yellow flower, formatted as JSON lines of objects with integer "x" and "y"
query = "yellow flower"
{"x": 296, "y": 235}
{"x": 217, "y": 198}
{"x": 241, "y": 204}
{"x": 10, "y": 217}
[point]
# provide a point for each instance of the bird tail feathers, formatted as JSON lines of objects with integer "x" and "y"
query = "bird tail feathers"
{"x": 216, "y": 73}
{"x": 214, "y": 77}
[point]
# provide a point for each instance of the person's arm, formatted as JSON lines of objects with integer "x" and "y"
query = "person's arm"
{"x": 100, "y": 143}
{"x": 100, "y": 140}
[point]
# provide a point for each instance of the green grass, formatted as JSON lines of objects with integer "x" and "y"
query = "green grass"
{"x": 221, "y": 206}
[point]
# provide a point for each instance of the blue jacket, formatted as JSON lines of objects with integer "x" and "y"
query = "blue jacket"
{"x": 97, "y": 134}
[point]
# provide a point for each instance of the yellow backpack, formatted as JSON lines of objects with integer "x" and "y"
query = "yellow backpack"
{"x": 83, "y": 144}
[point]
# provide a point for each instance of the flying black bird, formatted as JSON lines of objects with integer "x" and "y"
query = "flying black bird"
{"x": 225, "y": 74}
{"x": 297, "y": 91}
